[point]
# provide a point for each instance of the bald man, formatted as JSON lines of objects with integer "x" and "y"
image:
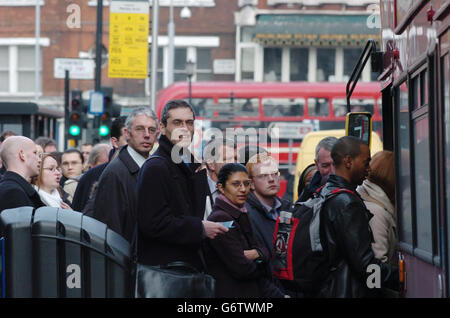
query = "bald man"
{"x": 20, "y": 156}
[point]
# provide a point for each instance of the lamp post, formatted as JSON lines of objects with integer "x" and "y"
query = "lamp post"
{"x": 171, "y": 46}
{"x": 190, "y": 68}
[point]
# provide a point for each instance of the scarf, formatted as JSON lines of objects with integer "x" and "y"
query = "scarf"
{"x": 369, "y": 191}
{"x": 50, "y": 199}
{"x": 224, "y": 198}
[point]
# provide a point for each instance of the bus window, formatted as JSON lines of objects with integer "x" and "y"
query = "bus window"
{"x": 239, "y": 107}
{"x": 319, "y": 107}
{"x": 203, "y": 107}
{"x": 283, "y": 107}
{"x": 404, "y": 167}
{"x": 422, "y": 184}
{"x": 358, "y": 105}
{"x": 445, "y": 73}
{"x": 380, "y": 107}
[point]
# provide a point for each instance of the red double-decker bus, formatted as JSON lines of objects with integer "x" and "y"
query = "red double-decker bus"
{"x": 295, "y": 108}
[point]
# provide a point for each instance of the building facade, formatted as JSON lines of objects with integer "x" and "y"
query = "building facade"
{"x": 228, "y": 40}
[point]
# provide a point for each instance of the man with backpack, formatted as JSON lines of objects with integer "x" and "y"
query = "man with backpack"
{"x": 323, "y": 247}
{"x": 344, "y": 229}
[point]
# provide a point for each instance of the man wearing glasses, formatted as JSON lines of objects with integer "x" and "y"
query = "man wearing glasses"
{"x": 263, "y": 204}
{"x": 171, "y": 195}
{"x": 72, "y": 168}
{"x": 115, "y": 201}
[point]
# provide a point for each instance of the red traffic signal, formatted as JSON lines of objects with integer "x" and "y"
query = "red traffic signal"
{"x": 74, "y": 116}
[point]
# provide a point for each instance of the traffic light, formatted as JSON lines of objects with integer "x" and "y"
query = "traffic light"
{"x": 106, "y": 118}
{"x": 76, "y": 115}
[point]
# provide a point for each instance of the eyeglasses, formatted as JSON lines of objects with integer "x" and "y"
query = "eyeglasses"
{"x": 42, "y": 154}
{"x": 54, "y": 169}
{"x": 238, "y": 184}
{"x": 142, "y": 130}
{"x": 265, "y": 176}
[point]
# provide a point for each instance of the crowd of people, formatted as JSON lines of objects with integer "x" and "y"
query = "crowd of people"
{"x": 217, "y": 213}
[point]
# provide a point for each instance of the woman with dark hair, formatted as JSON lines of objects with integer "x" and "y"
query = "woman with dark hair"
{"x": 236, "y": 259}
{"x": 47, "y": 183}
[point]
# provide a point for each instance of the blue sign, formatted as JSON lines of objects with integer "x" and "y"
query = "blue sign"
{"x": 96, "y": 103}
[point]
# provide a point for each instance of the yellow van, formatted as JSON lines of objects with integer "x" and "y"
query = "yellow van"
{"x": 306, "y": 152}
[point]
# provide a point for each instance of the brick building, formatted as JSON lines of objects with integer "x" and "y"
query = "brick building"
{"x": 235, "y": 40}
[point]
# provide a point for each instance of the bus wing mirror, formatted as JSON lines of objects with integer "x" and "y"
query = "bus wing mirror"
{"x": 359, "y": 125}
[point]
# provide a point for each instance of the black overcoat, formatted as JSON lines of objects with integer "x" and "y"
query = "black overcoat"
{"x": 15, "y": 192}
{"x": 171, "y": 201}
{"x": 115, "y": 201}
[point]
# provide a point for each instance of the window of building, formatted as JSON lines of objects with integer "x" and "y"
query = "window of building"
{"x": 25, "y": 69}
{"x": 326, "y": 60}
{"x": 272, "y": 64}
{"x": 17, "y": 70}
{"x": 351, "y": 56}
{"x": 299, "y": 64}
{"x": 4, "y": 69}
{"x": 248, "y": 63}
{"x": 204, "y": 64}
{"x": 180, "y": 65}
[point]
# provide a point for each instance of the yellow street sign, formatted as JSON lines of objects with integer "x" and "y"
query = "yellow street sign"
{"x": 128, "y": 39}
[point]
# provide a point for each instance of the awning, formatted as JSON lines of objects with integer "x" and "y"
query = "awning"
{"x": 322, "y": 30}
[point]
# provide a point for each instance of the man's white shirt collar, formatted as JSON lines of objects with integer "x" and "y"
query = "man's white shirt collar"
{"x": 138, "y": 158}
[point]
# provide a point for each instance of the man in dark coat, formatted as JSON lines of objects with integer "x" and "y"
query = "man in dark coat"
{"x": 115, "y": 200}
{"x": 20, "y": 156}
{"x": 171, "y": 195}
{"x": 84, "y": 188}
{"x": 324, "y": 165}
{"x": 345, "y": 232}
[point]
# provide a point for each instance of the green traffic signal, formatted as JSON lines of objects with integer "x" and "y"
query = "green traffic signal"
{"x": 103, "y": 130}
{"x": 74, "y": 130}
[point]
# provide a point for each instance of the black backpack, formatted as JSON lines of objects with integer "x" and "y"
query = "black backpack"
{"x": 299, "y": 259}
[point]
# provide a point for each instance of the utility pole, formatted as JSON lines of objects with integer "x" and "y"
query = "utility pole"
{"x": 66, "y": 107}
{"x": 37, "y": 59}
{"x": 98, "y": 46}
{"x": 98, "y": 55}
{"x": 155, "y": 21}
{"x": 171, "y": 47}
